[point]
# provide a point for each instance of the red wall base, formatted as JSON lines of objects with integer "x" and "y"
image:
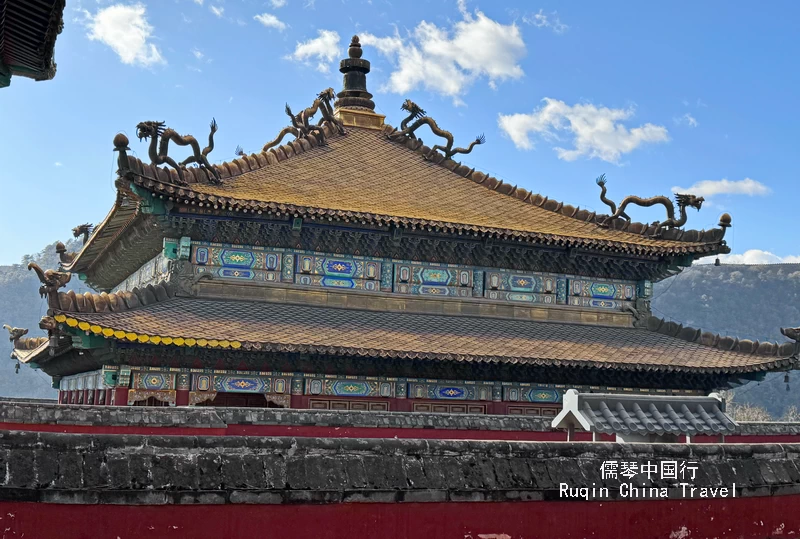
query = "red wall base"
{"x": 747, "y": 518}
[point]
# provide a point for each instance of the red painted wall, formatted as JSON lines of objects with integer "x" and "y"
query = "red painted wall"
{"x": 746, "y": 518}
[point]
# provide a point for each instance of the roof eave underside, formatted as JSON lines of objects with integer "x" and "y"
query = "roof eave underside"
{"x": 32, "y": 28}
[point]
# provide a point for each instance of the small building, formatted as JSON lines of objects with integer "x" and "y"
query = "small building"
{"x": 354, "y": 267}
{"x": 28, "y": 32}
{"x": 652, "y": 419}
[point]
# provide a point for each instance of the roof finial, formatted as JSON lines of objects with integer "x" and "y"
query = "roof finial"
{"x": 355, "y": 48}
{"x": 354, "y": 94}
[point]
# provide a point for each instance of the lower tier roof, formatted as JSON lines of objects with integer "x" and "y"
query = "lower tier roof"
{"x": 284, "y": 327}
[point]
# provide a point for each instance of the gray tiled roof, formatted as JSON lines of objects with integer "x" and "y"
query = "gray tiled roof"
{"x": 648, "y": 414}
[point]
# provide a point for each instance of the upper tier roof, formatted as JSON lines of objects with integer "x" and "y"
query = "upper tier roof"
{"x": 364, "y": 176}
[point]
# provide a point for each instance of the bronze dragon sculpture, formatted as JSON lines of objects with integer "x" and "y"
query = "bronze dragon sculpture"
{"x": 416, "y": 112}
{"x": 158, "y": 152}
{"x": 15, "y": 334}
{"x": 301, "y": 123}
{"x": 683, "y": 201}
{"x": 792, "y": 333}
{"x": 84, "y": 230}
{"x": 51, "y": 281}
{"x": 63, "y": 256}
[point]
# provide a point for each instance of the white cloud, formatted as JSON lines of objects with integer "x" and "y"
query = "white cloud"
{"x": 271, "y": 21}
{"x": 198, "y": 2}
{"x": 125, "y": 29}
{"x": 58, "y": 164}
{"x": 197, "y": 54}
{"x": 687, "y": 119}
{"x": 447, "y": 60}
{"x": 540, "y": 20}
{"x": 753, "y": 256}
{"x": 709, "y": 188}
{"x": 324, "y": 49}
{"x": 277, "y": 3}
{"x": 217, "y": 10}
{"x": 595, "y": 131}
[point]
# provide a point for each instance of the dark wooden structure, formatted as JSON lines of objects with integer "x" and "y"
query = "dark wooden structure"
{"x": 28, "y": 32}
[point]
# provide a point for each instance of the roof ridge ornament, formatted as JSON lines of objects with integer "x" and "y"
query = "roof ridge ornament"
{"x": 354, "y": 94}
{"x": 415, "y": 111}
{"x": 159, "y": 152}
{"x": 670, "y": 222}
{"x": 302, "y": 128}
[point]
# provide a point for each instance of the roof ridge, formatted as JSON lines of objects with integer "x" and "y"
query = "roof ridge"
{"x": 229, "y": 169}
{"x": 567, "y": 210}
{"x": 90, "y": 303}
{"x": 725, "y": 343}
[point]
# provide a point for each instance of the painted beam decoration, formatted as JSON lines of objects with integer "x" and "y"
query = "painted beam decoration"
{"x": 345, "y": 387}
{"x": 240, "y": 383}
{"x": 338, "y": 272}
{"x": 450, "y": 391}
{"x": 237, "y": 263}
{"x": 433, "y": 280}
{"x": 274, "y": 264}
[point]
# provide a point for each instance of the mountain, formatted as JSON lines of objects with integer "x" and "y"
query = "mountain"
{"x": 749, "y": 302}
{"x": 744, "y": 301}
{"x": 19, "y": 307}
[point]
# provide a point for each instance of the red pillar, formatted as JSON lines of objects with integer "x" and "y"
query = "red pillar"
{"x": 108, "y": 396}
{"x": 120, "y": 396}
{"x": 182, "y": 397}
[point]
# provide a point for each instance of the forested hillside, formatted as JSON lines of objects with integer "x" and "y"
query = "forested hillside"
{"x": 745, "y": 301}
{"x": 20, "y": 306}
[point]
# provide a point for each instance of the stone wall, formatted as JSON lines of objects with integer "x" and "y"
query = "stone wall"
{"x": 154, "y": 470}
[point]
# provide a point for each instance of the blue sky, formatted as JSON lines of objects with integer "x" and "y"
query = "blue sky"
{"x": 699, "y": 95}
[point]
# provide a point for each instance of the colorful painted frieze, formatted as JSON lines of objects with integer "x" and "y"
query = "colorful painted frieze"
{"x": 343, "y": 387}
{"x": 338, "y": 272}
{"x": 239, "y": 274}
{"x": 153, "y": 380}
{"x": 602, "y": 290}
{"x": 447, "y": 391}
{"x": 241, "y": 258}
{"x": 525, "y": 287}
{"x": 240, "y": 383}
{"x": 433, "y": 280}
{"x": 532, "y": 394}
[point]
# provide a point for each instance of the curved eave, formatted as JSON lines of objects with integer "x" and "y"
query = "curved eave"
{"x": 34, "y": 354}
